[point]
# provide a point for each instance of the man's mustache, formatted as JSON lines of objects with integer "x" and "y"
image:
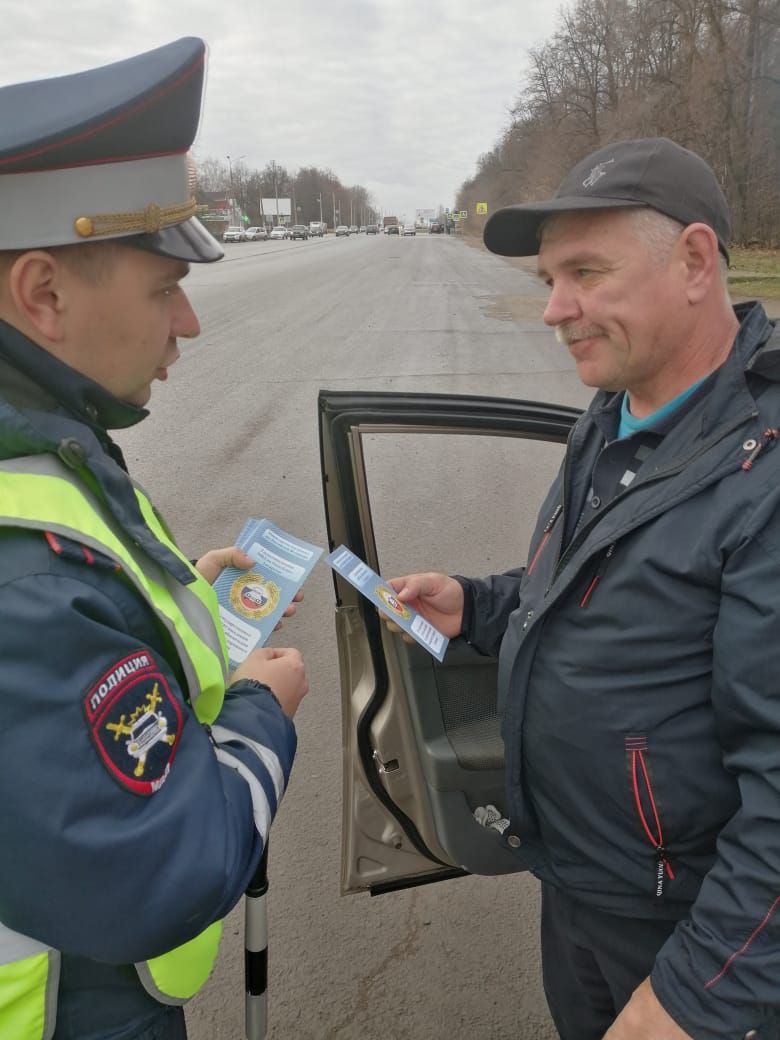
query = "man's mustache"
{"x": 569, "y": 332}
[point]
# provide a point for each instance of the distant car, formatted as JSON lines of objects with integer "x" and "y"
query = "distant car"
{"x": 392, "y": 229}
{"x": 372, "y": 229}
{"x": 409, "y": 229}
{"x": 280, "y": 231}
{"x": 342, "y": 230}
{"x": 234, "y": 234}
{"x": 299, "y": 231}
{"x": 362, "y": 229}
{"x": 435, "y": 228}
{"x": 256, "y": 234}
{"x": 317, "y": 228}
{"x": 353, "y": 230}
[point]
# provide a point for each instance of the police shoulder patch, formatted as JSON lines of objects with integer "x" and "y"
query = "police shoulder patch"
{"x": 135, "y": 722}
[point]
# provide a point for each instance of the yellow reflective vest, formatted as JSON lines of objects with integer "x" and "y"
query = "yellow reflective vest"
{"x": 41, "y": 492}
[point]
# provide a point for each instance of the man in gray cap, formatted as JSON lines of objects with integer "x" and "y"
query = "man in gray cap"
{"x": 139, "y": 777}
{"x": 638, "y": 648}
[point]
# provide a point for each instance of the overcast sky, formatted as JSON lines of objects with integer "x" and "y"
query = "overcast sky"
{"x": 401, "y": 96}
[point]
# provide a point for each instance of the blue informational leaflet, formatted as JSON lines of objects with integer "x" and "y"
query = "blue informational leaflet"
{"x": 383, "y": 596}
{"x": 252, "y": 602}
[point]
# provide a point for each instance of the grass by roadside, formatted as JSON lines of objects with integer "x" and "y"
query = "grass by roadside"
{"x": 755, "y": 274}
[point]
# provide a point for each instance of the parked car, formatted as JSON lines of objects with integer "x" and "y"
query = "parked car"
{"x": 353, "y": 229}
{"x": 409, "y": 229}
{"x": 280, "y": 231}
{"x": 372, "y": 229}
{"x": 256, "y": 234}
{"x": 362, "y": 229}
{"x": 299, "y": 231}
{"x": 392, "y": 229}
{"x": 342, "y": 230}
{"x": 234, "y": 234}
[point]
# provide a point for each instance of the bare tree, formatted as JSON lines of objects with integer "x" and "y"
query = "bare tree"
{"x": 703, "y": 72}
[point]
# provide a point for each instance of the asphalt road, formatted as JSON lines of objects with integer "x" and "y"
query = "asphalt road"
{"x": 233, "y": 433}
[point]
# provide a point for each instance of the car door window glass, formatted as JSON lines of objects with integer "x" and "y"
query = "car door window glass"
{"x": 457, "y": 503}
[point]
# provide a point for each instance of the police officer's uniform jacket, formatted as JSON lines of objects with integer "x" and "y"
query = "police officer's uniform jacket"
{"x": 127, "y": 823}
{"x": 639, "y": 667}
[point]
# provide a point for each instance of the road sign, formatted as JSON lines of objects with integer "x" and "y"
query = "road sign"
{"x": 482, "y": 207}
{"x": 463, "y": 214}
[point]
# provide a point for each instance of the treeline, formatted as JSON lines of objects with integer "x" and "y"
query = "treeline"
{"x": 705, "y": 73}
{"x": 352, "y": 204}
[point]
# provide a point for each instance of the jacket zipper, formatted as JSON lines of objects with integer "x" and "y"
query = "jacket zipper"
{"x": 545, "y": 537}
{"x": 577, "y": 541}
{"x": 599, "y": 574}
{"x": 636, "y": 747}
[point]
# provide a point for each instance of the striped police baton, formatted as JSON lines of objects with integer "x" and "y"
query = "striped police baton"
{"x": 256, "y": 952}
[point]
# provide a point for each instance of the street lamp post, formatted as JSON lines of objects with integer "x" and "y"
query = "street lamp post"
{"x": 233, "y": 190}
{"x": 276, "y": 189}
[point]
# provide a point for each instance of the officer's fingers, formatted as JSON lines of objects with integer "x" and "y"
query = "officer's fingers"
{"x": 295, "y": 657}
{"x": 291, "y": 610}
{"x": 212, "y": 563}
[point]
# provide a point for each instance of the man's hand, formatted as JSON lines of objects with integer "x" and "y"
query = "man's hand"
{"x": 643, "y": 1018}
{"x": 282, "y": 670}
{"x": 437, "y": 597}
{"x": 212, "y": 563}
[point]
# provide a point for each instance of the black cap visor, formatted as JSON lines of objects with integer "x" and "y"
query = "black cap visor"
{"x": 514, "y": 230}
{"x": 189, "y": 241}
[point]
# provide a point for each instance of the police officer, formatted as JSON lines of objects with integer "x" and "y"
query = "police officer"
{"x": 138, "y": 777}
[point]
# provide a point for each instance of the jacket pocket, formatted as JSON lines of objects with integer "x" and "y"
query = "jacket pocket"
{"x": 646, "y": 808}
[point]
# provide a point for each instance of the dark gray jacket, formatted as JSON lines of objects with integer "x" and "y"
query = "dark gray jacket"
{"x": 639, "y": 670}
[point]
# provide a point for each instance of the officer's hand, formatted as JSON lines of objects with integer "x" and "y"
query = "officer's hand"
{"x": 289, "y": 611}
{"x": 282, "y": 670}
{"x": 212, "y": 563}
{"x": 437, "y": 597}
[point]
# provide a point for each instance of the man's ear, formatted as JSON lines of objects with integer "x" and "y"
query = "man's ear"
{"x": 700, "y": 256}
{"x": 37, "y": 291}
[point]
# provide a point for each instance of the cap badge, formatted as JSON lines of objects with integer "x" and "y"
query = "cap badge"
{"x": 152, "y": 218}
{"x": 596, "y": 173}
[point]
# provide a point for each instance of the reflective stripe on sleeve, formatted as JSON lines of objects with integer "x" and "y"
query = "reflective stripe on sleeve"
{"x": 261, "y": 810}
{"x": 269, "y": 758}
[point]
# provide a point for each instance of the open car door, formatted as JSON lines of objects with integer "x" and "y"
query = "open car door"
{"x": 416, "y": 482}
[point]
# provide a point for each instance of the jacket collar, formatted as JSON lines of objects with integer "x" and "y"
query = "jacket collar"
{"x": 756, "y": 349}
{"x": 46, "y": 406}
{"x": 38, "y": 380}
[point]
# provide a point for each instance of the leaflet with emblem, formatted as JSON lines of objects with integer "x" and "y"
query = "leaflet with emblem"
{"x": 383, "y": 596}
{"x": 252, "y": 602}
